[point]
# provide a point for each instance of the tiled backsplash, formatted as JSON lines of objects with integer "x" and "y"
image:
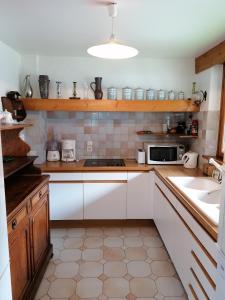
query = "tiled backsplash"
{"x": 113, "y": 134}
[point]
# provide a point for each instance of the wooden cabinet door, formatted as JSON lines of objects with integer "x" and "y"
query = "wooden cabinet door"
{"x": 40, "y": 232}
{"x": 19, "y": 250}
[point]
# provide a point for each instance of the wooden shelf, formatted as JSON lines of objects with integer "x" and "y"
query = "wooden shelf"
{"x": 105, "y": 105}
{"x": 17, "y": 164}
{"x": 183, "y": 136}
{"x": 13, "y": 126}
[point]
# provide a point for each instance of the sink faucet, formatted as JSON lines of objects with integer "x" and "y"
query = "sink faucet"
{"x": 220, "y": 170}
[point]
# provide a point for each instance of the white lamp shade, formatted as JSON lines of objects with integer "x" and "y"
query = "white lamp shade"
{"x": 112, "y": 50}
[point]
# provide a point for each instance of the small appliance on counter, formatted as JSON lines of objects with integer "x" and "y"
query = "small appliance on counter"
{"x": 53, "y": 151}
{"x": 190, "y": 160}
{"x": 141, "y": 156}
{"x": 164, "y": 153}
{"x": 68, "y": 150}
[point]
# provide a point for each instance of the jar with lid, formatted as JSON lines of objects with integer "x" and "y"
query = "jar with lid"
{"x": 112, "y": 93}
{"x": 127, "y": 93}
{"x": 161, "y": 94}
{"x": 171, "y": 95}
{"x": 150, "y": 94}
{"x": 139, "y": 94}
{"x": 181, "y": 95}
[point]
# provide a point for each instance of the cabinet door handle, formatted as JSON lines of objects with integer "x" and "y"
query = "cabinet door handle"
{"x": 14, "y": 224}
{"x": 40, "y": 194}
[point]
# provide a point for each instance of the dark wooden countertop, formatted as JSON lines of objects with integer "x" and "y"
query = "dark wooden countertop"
{"x": 18, "y": 188}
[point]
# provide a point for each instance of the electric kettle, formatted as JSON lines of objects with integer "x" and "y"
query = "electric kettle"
{"x": 190, "y": 160}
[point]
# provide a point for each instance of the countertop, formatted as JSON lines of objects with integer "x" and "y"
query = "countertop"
{"x": 162, "y": 171}
{"x": 59, "y": 166}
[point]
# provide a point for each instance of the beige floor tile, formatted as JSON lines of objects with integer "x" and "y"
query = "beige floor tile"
{"x": 176, "y": 298}
{"x": 138, "y": 269}
{"x": 131, "y": 231}
{"x": 113, "y": 231}
{"x": 116, "y": 287}
{"x": 75, "y": 232}
{"x": 92, "y": 254}
{"x": 117, "y": 298}
{"x": 58, "y": 232}
{"x": 56, "y": 253}
{"x": 70, "y": 255}
{"x": 153, "y": 242}
{"x": 136, "y": 253}
{"x": 46, "y": 297}
{"x": 58, "y": 243}
{"x": 145, "y": 298}
{"x": 91, "y": 269}
{"x": 133, "y": 241}
{"x": 113, "y": 242}
{"x": 89, "y": 288}
{"x": 149, "y": 231}
{"x": 94, "y": 232}
{"x": 162, "y": 268}
{"x": 169, "y": 286}
{"x": 115, "y": 269}
{"x": 112, "y": 254}
{"x": 66, "y": 270}
{"x": 143, "y": 287}
{"x": 93, "y": 242}
{"x": 157, "y": 254}
{"x": 43, "y": 289}
{"x": 50, "y": 270}
{"x": 72, "y": 243}
{"x": 62, "y": 288}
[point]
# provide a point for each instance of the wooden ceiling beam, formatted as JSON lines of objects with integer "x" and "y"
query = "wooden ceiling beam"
{"x": 214, "y": 56}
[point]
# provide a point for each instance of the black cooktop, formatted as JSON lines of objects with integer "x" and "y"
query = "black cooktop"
{"x": 104, "y": 162}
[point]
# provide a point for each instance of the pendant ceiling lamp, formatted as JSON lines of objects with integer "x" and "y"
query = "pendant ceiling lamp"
{"x": 112, "y": 49}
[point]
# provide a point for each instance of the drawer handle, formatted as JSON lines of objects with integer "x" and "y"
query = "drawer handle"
{"x": 14, "y": 224}
{"x": 40, "y": 194}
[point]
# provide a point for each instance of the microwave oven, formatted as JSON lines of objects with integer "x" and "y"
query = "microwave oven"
{"x": 168, "y": 154}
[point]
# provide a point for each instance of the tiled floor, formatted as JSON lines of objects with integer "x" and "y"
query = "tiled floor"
{"x": 106, "y": 263}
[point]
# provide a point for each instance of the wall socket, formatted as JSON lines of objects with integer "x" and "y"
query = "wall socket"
{"x": 89, "y": 146}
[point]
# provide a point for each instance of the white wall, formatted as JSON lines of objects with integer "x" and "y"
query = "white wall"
{"x": 144, "y": 72}
{"x": 10, "y": 62}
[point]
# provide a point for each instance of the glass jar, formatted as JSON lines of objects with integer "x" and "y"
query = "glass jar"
{"x": 161, "y": 94}
{"x": 181, "y": 95}
{"x": 139, "y": 94}
{"x": 112, "y": 93}
{"x": 127, "y": 93}
{"x": 150, "y": 94}
{"x": 171, "y": 95}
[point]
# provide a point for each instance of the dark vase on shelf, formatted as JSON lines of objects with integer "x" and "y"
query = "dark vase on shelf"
{"x": 44, "y": 86}
{"x": 98, "y": 87}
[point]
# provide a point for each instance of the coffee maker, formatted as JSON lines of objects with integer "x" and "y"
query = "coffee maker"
{"x": 68, "y": 150}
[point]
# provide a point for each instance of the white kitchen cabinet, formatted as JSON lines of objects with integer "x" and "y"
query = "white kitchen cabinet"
{"x": 66, "y": 201}
{"x": 140, "y": 195}
{"x": 105, "y": 200}
{"x": 191, "y": 249}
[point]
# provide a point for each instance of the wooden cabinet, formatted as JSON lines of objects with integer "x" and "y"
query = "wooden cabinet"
{"x": 19, "y": 251}
{"x": 139, "y": 195}
{"x": 40, "y": 231}
{"x": 29, "y": 243}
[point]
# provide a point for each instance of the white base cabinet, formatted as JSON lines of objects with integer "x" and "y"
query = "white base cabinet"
{"x": 105, "y": 200}
{"x": 66, "y": 201}
{"x": 139, "y": 195}
{"x": 191, "y": 249}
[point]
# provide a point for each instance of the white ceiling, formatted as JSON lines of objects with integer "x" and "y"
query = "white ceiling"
{"x": 158, "y": 28}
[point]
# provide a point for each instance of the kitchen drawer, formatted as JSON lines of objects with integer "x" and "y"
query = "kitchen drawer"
{"x": 65, "y": 176}
{"x": 38, "y": 196}
{"x": 16, "y": 220}
{"x": 110, "y": 176}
